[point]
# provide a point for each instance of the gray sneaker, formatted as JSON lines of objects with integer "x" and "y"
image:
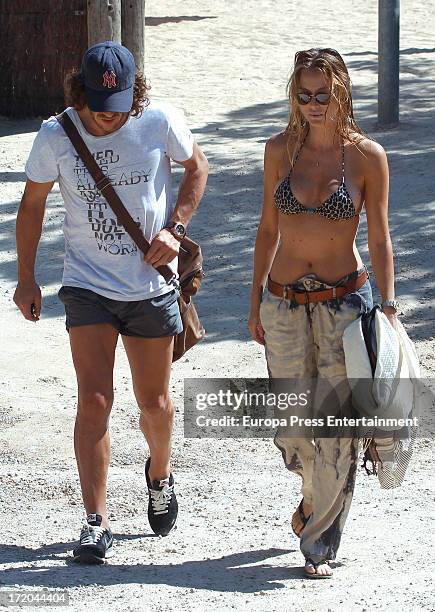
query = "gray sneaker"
{"x": 96, "y": 542}
{"x": 162, "y": 503}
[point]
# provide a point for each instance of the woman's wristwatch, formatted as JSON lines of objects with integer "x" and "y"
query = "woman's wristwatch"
{"x": 391, "y": 304}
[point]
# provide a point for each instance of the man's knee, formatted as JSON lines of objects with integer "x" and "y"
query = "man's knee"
{"x": 153, "y": 404}
{"x": 94, "y": 406}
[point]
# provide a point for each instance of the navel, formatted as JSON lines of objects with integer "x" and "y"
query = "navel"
{"x": 310, "y": 265}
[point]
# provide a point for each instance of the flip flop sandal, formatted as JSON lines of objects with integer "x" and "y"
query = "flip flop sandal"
{"x": 304, "y": 519}
{"x": 315, "y": 566}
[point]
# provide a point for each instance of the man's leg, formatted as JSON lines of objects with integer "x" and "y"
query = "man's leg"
{"x": 150, "y": 363}
{"x": 93, "y": 351}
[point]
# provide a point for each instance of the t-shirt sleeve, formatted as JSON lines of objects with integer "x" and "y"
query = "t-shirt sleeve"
{"x": 179, "y": 146}
{"x": 41, "y": 165}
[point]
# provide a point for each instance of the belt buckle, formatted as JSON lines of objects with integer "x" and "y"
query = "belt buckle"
{"x": 334, "y": 292}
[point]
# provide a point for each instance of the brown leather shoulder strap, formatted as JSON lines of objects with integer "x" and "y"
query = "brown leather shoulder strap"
{"x": 103, "y": 184}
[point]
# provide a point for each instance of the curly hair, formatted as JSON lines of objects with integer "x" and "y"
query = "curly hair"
{"x": 330, "y": 62}
{"x": 75, "y": 95}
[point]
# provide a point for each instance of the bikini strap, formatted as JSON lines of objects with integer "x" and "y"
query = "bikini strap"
{"x": 342, "y": 150}
{"x": 299, "y": 150}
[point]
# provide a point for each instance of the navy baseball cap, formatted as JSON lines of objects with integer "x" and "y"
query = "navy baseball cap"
{"x": 108, "y": 70}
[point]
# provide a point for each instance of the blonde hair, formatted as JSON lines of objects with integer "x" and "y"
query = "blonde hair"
{"x": 330, "y": 62}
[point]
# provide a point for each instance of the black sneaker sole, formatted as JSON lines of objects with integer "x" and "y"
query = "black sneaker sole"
{"x": 164, "y": 535}
{"x": 90, "y": 558}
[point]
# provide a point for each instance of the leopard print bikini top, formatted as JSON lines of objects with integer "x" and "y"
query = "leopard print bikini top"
{"x": 339, "y": 206}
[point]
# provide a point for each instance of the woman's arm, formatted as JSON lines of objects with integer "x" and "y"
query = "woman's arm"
{"x": 267, "y": 237}
{"x": 379, "y": 242}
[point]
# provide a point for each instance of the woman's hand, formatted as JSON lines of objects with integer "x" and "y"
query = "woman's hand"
{"x": 391, "y": 315}
{"x": 256, "y": 329}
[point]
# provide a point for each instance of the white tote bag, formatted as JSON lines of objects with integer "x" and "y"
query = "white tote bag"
{"x": 388, "y": 392}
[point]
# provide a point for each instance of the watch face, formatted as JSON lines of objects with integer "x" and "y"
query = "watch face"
{"x": 179, "y": 229}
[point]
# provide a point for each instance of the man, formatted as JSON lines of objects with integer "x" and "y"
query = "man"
{"x": 108, "y": 287}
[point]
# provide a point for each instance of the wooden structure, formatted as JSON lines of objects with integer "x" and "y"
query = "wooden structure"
{"x": 133, "y": 30}
{"x": 104, "y": 21}
{"x": 120, "y": 20}
{"x": 43, "y": 39}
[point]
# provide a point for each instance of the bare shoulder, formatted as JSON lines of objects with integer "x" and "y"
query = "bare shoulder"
{"x": 276, "y": 145}
{"x": 276, "y": 155}
{"x": 369, "y": 152}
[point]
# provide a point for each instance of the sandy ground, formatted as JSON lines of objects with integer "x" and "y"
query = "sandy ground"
{"x": 226, "y": 65}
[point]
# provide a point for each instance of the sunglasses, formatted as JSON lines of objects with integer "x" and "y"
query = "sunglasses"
{"x": 320, "y": 98}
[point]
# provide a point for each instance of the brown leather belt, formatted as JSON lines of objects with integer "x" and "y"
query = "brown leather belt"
{"x": 303, "y": 297}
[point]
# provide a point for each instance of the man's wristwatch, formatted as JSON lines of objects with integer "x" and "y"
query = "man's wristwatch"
{"x": 391, "y": 304}
{"x": 177, "y": 229}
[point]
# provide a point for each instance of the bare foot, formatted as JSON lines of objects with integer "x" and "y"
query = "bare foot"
{"x": 317, "y": 570}
{"x": 297, "y": 523}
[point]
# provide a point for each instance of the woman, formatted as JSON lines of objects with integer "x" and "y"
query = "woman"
{"x": 318, "y": 175}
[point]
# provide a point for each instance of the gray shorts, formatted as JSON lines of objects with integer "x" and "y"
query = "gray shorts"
{"x": 152, "y": 318}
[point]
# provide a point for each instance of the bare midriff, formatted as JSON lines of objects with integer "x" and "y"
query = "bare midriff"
{"x": 311, "y": 244}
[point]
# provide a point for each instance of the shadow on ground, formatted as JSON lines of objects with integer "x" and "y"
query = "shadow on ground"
{"x": 17, "y": 126}
{"x": 230, "y": 573}
{"x": 156, "y": 21}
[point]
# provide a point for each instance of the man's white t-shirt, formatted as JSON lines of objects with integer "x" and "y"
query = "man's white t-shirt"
{"x": 99, "y": 254}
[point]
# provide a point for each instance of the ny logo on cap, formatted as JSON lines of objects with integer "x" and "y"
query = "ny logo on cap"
{"x": 109, "y": 79}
